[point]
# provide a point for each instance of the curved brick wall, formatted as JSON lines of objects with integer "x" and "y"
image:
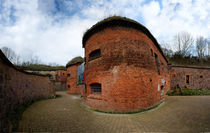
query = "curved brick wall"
{"x": 126, "y": 70}
{"x": 71, "y": 82}
{"x": 19, "y": 87}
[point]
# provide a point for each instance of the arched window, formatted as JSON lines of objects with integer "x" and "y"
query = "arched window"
{"x": 95, "y": 88}
{"x": 95, "y": 54}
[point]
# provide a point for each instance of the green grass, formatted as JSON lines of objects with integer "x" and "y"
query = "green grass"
{"x": 189, "y": 92}
{"x": 38, "y": 67}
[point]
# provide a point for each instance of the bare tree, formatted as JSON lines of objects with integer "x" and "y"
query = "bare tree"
{"x": 183, "y": 42}
{"x": 9, "y": 53}
{"x": 166, "y": 48}
{"x": 201, "y": 44}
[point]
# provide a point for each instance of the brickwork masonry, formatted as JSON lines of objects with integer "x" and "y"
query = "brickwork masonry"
{"x": 19, "y": 87}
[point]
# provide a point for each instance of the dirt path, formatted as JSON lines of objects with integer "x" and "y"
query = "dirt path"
{"x": 65, "y": 114}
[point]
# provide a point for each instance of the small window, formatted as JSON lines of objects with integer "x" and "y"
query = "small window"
{"x": 188, "y": 79}
{"x": 157, "y": 63}
{"x": 201, "y": 76}
{"x": 162, "y": 90}
{"x": 68, "y": 86}
{"x": 95, "y": 54}
{"x": 95, "y": 88}
{"x": 68, "y": 75}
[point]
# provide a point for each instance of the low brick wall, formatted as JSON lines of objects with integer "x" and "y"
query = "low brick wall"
{"x": 19, "y": 87}
{"x": 190, "y": 77}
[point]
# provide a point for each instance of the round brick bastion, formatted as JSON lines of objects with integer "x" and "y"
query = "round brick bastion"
{"x": 125, "y": 68}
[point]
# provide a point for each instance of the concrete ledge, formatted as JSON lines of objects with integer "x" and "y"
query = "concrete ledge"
{"x": 137, "y": 111}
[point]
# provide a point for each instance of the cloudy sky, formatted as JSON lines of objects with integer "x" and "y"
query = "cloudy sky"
{"x": 53, "y": 29}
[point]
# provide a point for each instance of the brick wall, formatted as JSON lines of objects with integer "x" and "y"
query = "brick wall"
{"x": 61, "y": 75}
{"x": 199, "y": 78}
{"x": 71, "y": 82}
{"x": 18, "y": 87}
{"x": 126, "y": 70}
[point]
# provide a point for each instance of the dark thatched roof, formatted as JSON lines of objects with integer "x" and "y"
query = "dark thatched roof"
{"x": 76, "y": 60}
{"x": 119, "y": 21}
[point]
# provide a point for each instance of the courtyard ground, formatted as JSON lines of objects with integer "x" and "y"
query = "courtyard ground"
{"x": 65, "y": 114}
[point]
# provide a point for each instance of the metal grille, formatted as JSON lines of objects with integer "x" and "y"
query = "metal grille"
{"x": 95, "y": 88}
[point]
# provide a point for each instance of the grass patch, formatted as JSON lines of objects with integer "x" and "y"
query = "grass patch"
{"x": 189, "y": 92}
{"x": 39, "y": 67}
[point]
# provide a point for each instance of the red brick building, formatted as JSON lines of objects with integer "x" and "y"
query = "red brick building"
{"x": 125, "y": 69}
{"x": 72, "y": 79}
{"x": 192, "y": 77}
{"x": 61, "y": 75}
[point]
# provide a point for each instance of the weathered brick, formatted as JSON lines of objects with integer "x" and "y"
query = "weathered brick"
{"x": 71, "y": 82}
{"x": 61, "y": 75}
{"x": 126, "y": 70}
{"x": 199, "y": 77}
{"x": 18, "y": 87}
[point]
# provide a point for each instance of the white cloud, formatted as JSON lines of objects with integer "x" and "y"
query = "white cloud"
{"x": 38, "y": 28}
{"x": 176, "y": 16}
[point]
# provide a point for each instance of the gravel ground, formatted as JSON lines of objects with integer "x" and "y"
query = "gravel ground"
{"x": 65, "y": 114}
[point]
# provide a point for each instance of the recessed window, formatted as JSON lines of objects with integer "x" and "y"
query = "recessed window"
{"x": 162, "y": 90}
{"x": 157, "y": 63}
{"x": 95, "y": 88}
{"x": 95, "y": 54}
{"x": 188, "y": 79}
{"x": 68, "y": 75}
{"x": 151, "y": 52}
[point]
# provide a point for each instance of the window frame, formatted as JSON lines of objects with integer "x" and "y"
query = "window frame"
{"x": 94, "y": 54}
{"x": 94, "y": 87}
{"x": 187, "y": 78}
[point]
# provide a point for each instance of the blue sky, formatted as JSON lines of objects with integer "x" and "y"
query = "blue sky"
{"x": 53, "y": 29}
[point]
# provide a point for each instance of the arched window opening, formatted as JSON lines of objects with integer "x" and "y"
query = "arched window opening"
{"x": 95, "y": 54}
{"x": 95, "y": 88}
